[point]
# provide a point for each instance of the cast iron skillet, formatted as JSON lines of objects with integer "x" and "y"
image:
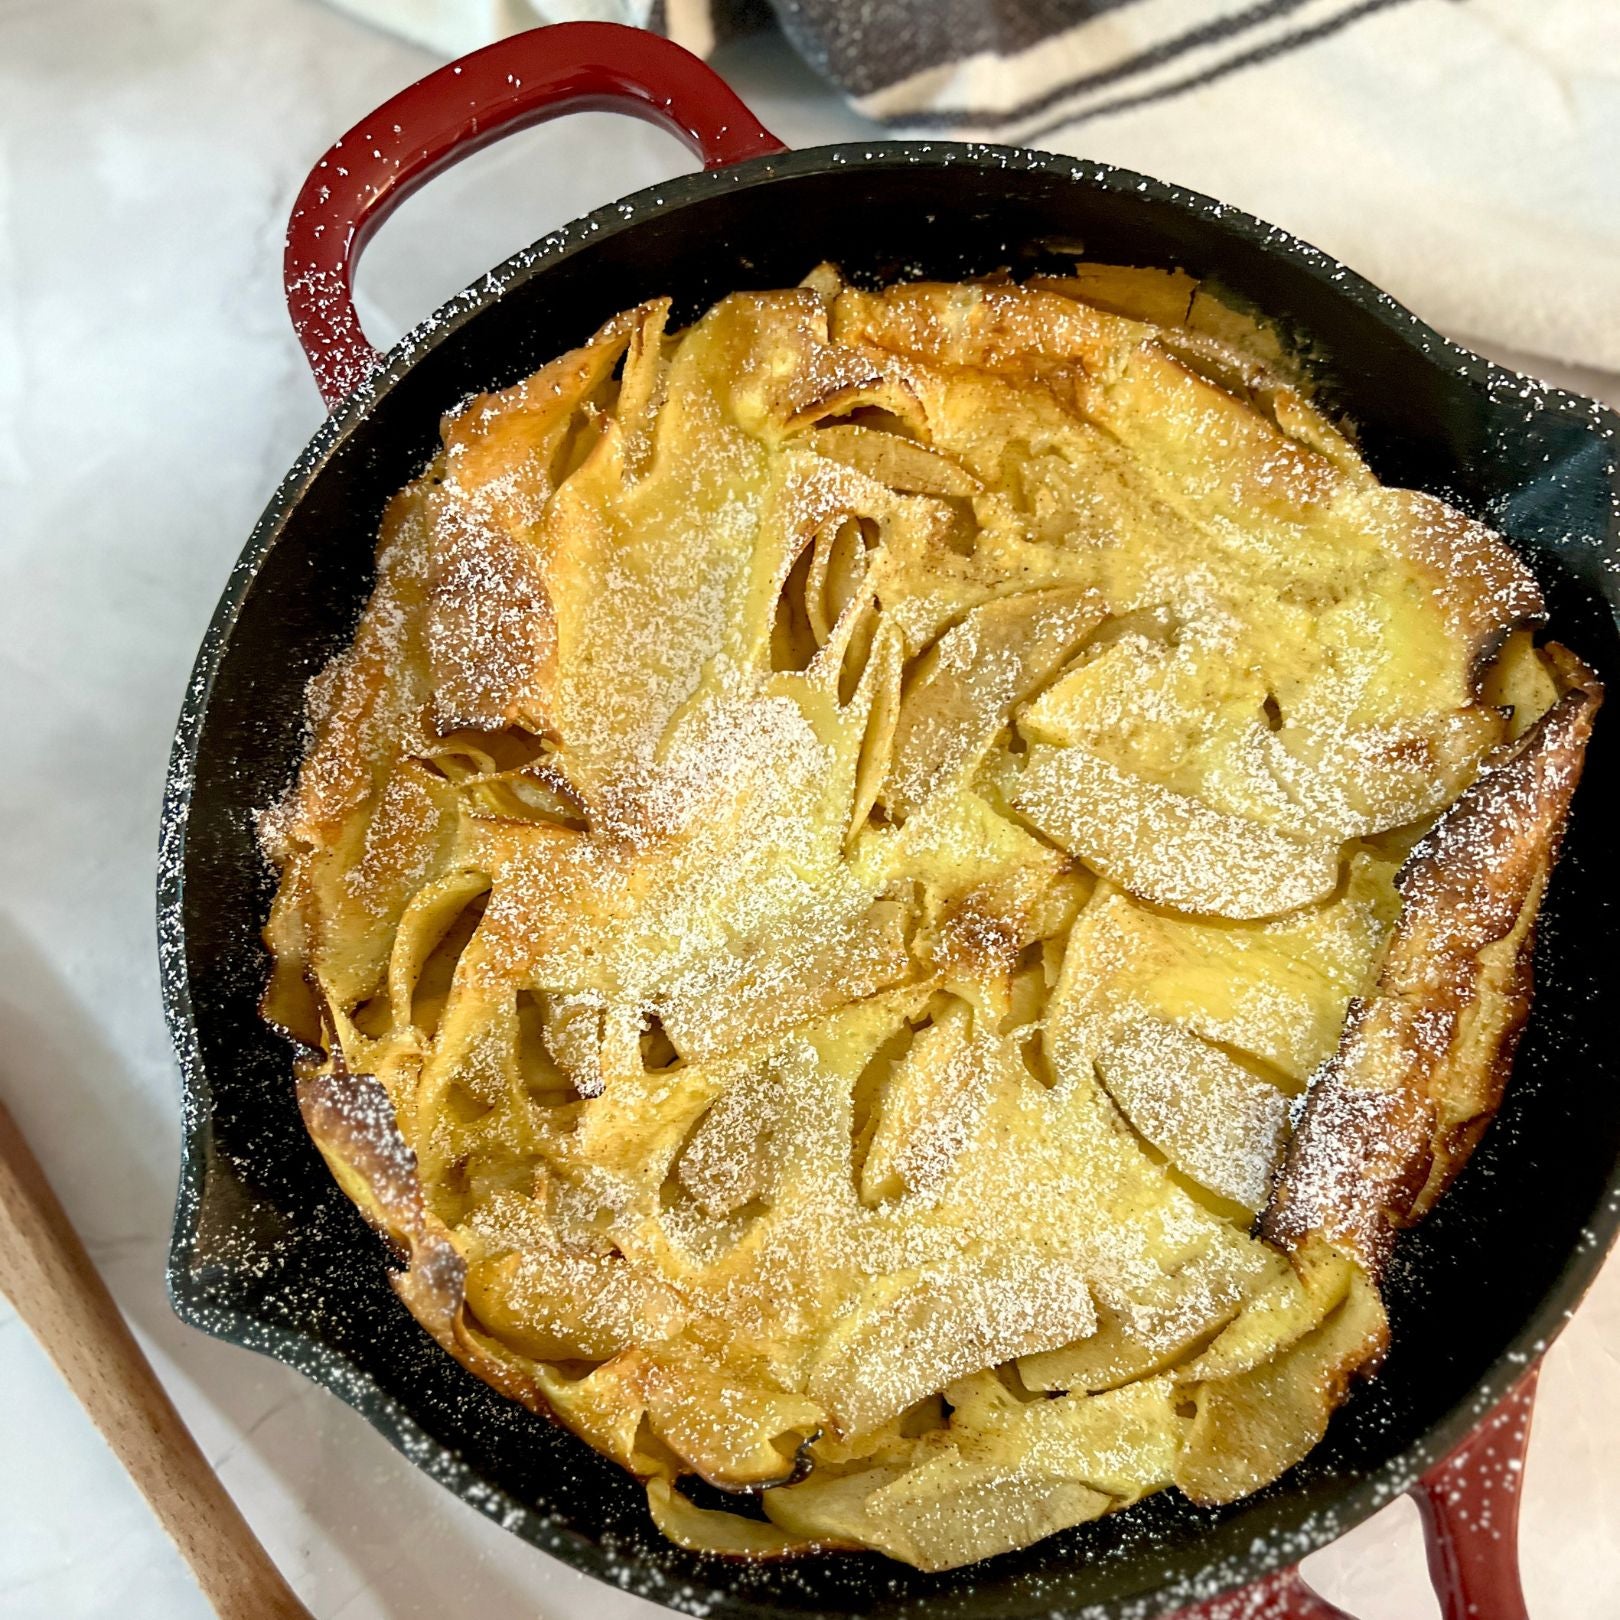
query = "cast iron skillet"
{"x": 267, "y": 1252}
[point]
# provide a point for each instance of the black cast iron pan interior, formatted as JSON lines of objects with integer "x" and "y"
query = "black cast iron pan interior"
{"x": 267, "y": 1252}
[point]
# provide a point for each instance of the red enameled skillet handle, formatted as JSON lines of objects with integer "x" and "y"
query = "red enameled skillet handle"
{"x": 1470, "y": 1509}
{"x": 570, "y": 67}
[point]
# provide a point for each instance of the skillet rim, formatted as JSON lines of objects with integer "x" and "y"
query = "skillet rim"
{"x": 1505, "y": 393}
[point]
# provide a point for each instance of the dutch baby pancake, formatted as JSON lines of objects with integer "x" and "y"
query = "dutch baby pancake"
{"x": 900, "y": 890}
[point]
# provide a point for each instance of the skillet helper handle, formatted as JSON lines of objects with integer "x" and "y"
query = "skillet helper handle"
{"x": 1469, "y": 1505}
{"x": 55, "y": 1289}
{"x": 1470, "y": 1510}
{"x": 453, "y": 112}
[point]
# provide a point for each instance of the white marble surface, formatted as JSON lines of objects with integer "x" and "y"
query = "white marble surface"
{"x": 150, "y": 397}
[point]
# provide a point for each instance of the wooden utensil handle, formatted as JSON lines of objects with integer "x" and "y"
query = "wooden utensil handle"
{"x": 48, "y": 1277}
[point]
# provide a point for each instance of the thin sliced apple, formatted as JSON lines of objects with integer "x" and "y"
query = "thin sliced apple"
{"x": 909, "y": 1335}
{"x": 1253, "y": 1427}
{"x": 1210, "y": 1116}
{"x": 901, "y": 464}
{"x": 1168, "y": 847}
{"x": 963, "y": 689}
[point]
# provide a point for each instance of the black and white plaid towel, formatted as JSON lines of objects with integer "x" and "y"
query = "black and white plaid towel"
{"x": 1463, "y": 153}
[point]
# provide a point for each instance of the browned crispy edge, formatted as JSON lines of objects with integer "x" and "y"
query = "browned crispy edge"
{"x": 1423, "y": 1061}
{"x": 351, "y": 1119}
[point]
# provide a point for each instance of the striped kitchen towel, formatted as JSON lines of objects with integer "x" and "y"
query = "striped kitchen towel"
{"x": 1465, "y": 154}
{"x": 1030, "y": 67}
